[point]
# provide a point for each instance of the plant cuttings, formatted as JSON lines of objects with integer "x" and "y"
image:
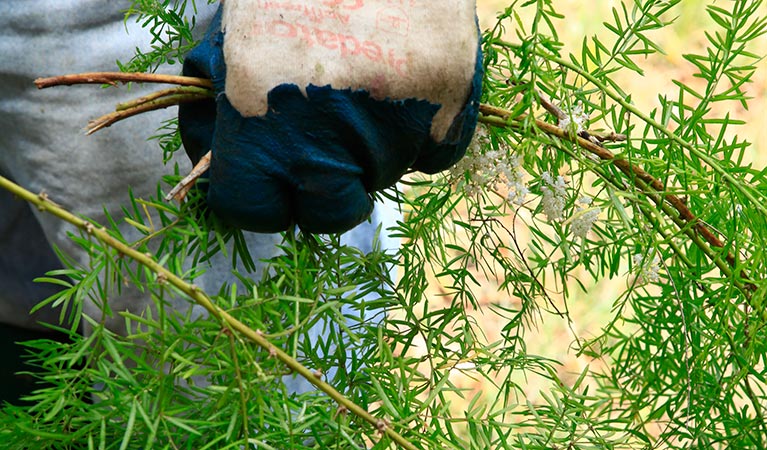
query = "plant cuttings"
{"x": 192, "y": 89}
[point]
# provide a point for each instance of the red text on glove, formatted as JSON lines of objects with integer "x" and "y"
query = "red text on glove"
{"x": 346, "y": 45}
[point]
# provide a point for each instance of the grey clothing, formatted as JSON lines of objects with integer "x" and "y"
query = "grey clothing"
{"x": 43, "y": 147}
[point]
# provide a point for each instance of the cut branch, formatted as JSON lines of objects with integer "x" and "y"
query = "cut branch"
{"x": 179, "y": 192}
{"x": 120, "y": 77}
{"x": 188, "y": 90}
{"x": 145, "y": 106}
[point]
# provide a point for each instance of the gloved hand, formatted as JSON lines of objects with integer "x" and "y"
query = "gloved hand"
{"x": 319, "y": 106}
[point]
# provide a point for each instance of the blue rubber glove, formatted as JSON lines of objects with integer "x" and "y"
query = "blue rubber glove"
{"x": 316, "y": 154}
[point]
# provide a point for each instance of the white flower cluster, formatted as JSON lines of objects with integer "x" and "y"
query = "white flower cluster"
{"x": 647, "y": 272}
{"x": 488, "y": 169}
{"x": 584, "y": 217}
{"x": 482, "y": 170}
{"x": 554, "y": 196}
{"x": 575, "y": 120}
{"x": 514, "y": 180}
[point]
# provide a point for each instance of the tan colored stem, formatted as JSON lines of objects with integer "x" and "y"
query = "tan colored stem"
{"x": 203, "y": 92}
{"x": 180, "y": 191}
{"x": 120, "y": 77}
{"x": 152, "y": 105}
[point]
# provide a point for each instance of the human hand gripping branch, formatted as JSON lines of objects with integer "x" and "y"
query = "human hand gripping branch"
{"x": 194, "y": 89}
{"x": 269, "y": 188}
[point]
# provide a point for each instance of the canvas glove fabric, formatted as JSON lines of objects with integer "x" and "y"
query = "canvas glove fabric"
{"x": 320, "y": 103}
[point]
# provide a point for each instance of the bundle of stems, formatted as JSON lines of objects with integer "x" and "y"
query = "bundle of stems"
{"x": 191, "y": 89}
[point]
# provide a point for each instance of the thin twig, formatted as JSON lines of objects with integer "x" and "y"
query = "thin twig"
{"x": 594, "y": 136}
{"x": 203, "y": 92}
{"x": 120, "y": 77}
{"x": 550, "y": 107}
{"x": 152, "y": 105}
{"x": 179, "y": 191}
{"x": 608, "y": 137}
{"x": 201, "y": 298}
{"x": 631, "y": 108}
{"x": 191, "y": 89}
{"x": 641, "y": 178}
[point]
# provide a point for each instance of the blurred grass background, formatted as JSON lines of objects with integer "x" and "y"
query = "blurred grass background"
{"x": 552, "y": 336}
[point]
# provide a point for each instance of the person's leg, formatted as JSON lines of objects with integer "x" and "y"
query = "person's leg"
{"x": 17, "y": 378}
{"x": 24, "y": 255}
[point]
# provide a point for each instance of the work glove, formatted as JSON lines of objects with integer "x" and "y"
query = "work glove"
{"x": 317, "y": 106}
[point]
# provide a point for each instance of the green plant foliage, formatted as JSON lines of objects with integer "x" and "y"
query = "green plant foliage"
{"x": 546, "y": 204}
{"x": 171, "y": 23}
